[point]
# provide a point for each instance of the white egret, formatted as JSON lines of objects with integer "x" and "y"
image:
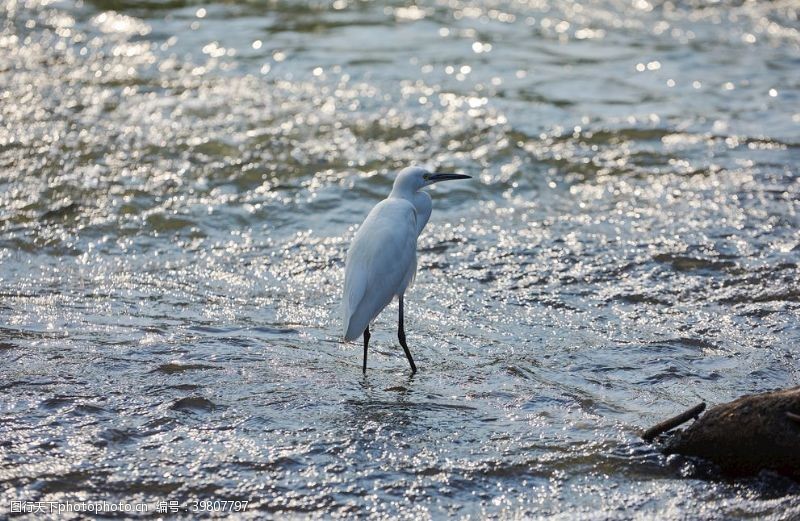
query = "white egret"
{"x": 382, "y": 260}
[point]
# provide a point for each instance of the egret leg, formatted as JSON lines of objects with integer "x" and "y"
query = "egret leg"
{"x": 366, "y": 344}
{"x": 401, "y": 335}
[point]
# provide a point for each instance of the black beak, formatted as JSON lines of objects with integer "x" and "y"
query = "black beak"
{"x": 435, "y": 178}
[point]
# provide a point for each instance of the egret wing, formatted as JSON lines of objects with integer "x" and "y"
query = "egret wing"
{"x": 378, "y": 262}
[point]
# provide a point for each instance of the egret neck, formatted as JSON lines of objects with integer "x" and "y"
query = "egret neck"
{"x": 421, "y": 201}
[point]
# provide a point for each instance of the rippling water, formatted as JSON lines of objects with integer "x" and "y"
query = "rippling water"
{"x": 179, "y": 183}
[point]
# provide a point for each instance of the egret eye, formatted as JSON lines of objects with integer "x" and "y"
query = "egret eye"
{"x": 425, "y": 176}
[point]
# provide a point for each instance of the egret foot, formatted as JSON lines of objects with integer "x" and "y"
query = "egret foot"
{"x": 366, "y": 344}
{"x": 401, "y": 335}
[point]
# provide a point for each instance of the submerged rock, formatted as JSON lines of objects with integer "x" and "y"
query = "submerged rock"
{"x": 750, "y": 434}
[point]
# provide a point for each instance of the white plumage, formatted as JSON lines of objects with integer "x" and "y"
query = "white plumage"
{"x": 382, "y": 259}
{"x": 380, "y": 263}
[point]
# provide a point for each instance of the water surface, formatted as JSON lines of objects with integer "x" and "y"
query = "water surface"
{"x": 179, "y": 183}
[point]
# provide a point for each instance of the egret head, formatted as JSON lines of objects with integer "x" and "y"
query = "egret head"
{"x": 411, "y": 179}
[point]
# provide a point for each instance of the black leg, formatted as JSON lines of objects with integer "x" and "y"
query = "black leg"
{"x": 366, "y": 344}
{"x": 401, "y": 335}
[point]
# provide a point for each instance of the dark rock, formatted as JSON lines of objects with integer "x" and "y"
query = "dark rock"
{"x": 194, "y": 403}
{"x": 750, "y": 434}
{"x": 61, "y": 212}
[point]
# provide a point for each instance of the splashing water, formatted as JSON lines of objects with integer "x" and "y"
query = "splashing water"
{"x": 179, "y": 184}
